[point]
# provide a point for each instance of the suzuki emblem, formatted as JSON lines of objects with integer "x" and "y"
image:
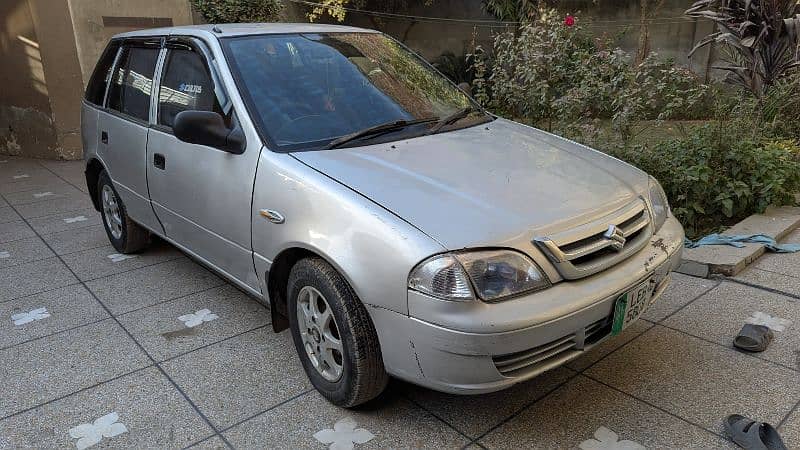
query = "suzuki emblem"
{"x": 616, "y": 236}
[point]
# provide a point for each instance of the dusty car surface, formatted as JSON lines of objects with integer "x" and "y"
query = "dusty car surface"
{"x": 390, "y": 222}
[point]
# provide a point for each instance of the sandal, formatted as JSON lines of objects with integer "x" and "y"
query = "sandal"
{"x": 752, "y": 435}
{"x": 753, "y": 338}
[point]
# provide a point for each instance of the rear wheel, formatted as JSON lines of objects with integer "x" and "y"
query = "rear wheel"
{"x": 125, "y": 235}
{"x": 333, "y": 334}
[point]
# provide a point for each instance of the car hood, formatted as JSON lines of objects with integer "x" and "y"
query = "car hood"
{"x": 487, "y": 185}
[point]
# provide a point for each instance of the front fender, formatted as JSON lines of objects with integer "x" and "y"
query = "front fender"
{"x": 371, "y": 247}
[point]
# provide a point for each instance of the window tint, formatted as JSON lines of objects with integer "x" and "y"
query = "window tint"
{"x": 186, "y": 85}
{"x": 96, "y": 89}
{"x": 308, "y": 89}
{"x": 133, "y": 81}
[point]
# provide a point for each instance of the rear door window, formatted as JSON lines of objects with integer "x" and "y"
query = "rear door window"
{"x": 132, "y": 82}
{"x": 96, "y": 89}
{"x": 185, "y": 85}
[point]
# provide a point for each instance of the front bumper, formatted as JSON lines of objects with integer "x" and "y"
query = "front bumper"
{"x": 493, "y": 346}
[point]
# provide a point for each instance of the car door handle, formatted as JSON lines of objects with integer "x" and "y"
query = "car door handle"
{"x": 159, "y": 161}
{"x": 104, "y": 137}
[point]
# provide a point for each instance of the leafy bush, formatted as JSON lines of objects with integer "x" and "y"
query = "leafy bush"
{"x": 720, "y": 173}
{"x": 536, "y": 66}
{"x": 778, "y": 112}
{"x": 238, "y": 11}
{"x": 551, "y": 74}
{"x": 454, "y": 67}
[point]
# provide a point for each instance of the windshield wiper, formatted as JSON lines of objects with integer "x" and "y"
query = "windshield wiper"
{"x": 452, "y": 118}
{"x": 375, "y": 130}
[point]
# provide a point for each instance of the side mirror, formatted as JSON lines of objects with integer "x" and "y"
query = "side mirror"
{"x": 208, "y": 128}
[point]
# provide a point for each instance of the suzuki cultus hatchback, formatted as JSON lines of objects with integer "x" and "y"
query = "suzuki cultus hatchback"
{"x": 390, "y": 222}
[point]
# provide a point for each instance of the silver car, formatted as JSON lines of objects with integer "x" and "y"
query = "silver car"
{"x": 390, "y": 222}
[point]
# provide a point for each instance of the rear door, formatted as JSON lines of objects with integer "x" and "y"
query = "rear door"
{"x": 123, "y": 126}
{"x": 202, "y": 195}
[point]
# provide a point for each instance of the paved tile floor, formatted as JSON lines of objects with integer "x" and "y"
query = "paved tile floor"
{"x": 99, "y": 342}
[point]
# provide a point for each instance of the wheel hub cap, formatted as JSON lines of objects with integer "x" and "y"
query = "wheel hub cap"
{"x": 319, "y": 333}
{"x": 111, "y": 213}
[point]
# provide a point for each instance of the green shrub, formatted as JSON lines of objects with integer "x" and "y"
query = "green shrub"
{"x": 718, "y": 174}
{"x": 555, "y": 76}
{"x": 238, "y": 11}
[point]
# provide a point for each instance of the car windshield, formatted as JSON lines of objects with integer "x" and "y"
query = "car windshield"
{"x": 307, "y": 90}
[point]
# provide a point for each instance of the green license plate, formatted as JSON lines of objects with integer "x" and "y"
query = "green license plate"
{"x": 630, "y": 305}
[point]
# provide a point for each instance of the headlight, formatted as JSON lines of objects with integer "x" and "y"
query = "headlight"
{"x": 489, "y": 274}
{"x": 658, "y": 200}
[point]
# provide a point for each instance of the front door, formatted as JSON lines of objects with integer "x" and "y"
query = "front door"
{"x": 201, "y": 195}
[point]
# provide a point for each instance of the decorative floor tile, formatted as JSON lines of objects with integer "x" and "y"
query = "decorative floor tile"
{"x": 582, "y": 410}
{"x": 76, "y": 359}
{"x": 197, "y": 319}
{"x": 119, "y": 257}
{"x": 57, "y": 206}
{"x": 89, "y": 434}
{"x": 774, "y": 323}
{"x": 94, "y": 264}
{"x": 14, "y": 231}
{"x": 153, "y": 413}
{"x": 605, "y": 439}
{"x": 65, "y": 221}
{"x": 74, "y": 219}
{"x": 474, "y": 415}
{"x": 160, "y": 332}
{"x": 23, "y": 251}
{"x": 68, "y": 307}
{"x": 7, "y": 214}
{"x": 344, "y": 435}
{"x": 720, "y": 314}
{"x": 698, "y": 380}
{"x": 391, "y": 422}
{"x": 237, "y": 378}
{"x": 150, "y": 285}
{"x": 771, "y": 280}
{"x": 30, "y": 316}
{"x": 682, "y": 289}
{"x": 31, "y": 278}
{"x": 78, "y": 239}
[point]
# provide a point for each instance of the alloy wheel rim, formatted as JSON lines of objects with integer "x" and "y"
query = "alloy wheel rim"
{"x": 320, "y": 334}
{"x": 111, "y": 213}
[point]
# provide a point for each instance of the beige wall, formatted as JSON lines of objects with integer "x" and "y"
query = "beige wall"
{"x": 62, "y": 72}
{"x": 96, "y": 21}
{"x": 25, "y": 114}
{"x": 48, "y": 49}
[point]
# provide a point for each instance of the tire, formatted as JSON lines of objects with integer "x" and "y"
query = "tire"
{"x": 362, "y": 376}
{"x": 125, "y": 235}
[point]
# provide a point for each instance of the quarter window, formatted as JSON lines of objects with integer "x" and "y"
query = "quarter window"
{"x": 132, "y": 83}
{"x": 186, "y": 85}
{"x": 96, "y": 89}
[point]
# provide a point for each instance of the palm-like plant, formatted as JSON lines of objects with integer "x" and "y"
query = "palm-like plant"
{"x": 760, "y": 38}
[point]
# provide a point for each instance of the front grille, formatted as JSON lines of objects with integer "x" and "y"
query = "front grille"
{"x": 552, "y": 353}
{"x": 600, "y": 244}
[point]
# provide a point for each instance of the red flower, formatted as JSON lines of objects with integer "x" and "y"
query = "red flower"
{"x": 569, "y": 21}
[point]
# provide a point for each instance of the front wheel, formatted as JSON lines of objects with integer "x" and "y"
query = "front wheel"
{"x": 334, "y": 336}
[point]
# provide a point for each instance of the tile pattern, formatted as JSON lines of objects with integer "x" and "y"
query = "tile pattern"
{"x": 113, "y": 343}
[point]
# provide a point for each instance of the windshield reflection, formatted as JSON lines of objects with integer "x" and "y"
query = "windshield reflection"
{"x": 309, "y": 89}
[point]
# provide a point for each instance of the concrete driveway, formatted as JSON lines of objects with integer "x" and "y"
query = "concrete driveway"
{"x": 95, "y": 351}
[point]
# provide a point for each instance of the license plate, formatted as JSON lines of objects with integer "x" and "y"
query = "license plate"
{"x": 630, "y": 305}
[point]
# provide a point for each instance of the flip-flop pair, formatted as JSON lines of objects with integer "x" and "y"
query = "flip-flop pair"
{"x": 753, "y": 338}
{"x": 752, "y": 435}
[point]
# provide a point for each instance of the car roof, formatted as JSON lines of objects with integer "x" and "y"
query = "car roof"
{"x": 244, "y": 29}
